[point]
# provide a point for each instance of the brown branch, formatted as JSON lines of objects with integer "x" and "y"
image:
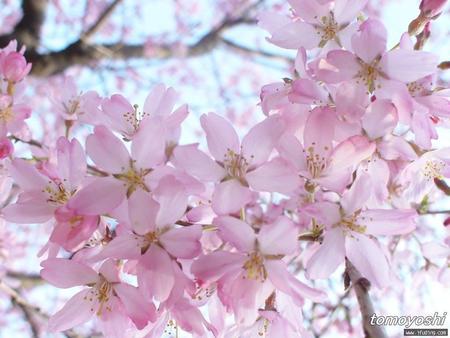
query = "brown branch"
{"x": 255, "y": 52}
{"x": 361, "y": 286}
{"x": 100, "y": 21}
{"x": 28, "y": 30}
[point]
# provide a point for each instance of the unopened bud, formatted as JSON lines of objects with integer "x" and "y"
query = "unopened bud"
{"x": 431, "y": 8}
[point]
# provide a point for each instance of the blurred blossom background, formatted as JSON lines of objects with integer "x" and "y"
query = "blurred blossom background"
{"x": 215, "y": 55}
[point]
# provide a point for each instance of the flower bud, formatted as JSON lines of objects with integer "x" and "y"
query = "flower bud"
{"x": 14, "y": 67}
{"x": 431, "y": 8}
{"x": 6, "y": 147}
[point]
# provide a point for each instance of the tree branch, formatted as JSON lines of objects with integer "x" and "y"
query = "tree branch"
{"x": 100, "y": 21}
{"x": 361, "y": 286}
{"x": 28, "y": 30}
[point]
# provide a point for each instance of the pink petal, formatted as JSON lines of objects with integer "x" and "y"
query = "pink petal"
{"x": 340, "y": 65}
{"x": 290, "y": 148}
{"x": 26, "y": 175}
{"x": 75, "y": 312}
{"x": 117, "y": 108}
{"x": 388, "y": 222}
{"x": 143, "y": 210}
{"x": 99, "y": 197}
{"x": 408, "y": 66}
{"x": 358, "y": 194}
{"x": 274, "y": 176}
{"x": 258, "y": 144}
{"x": 229, "y": 197}
{"x": 65, "y": 273}
{"x": 213, "y": 266}
{"x": 310, "y": 11}
{"x": 380, "y": 119}
{"x": 220, "y": 135}
{"x": 278, "y": 238}
{"x": 347, "y": 10}
{"x": 197, "y": 163}
{"x": 155, "y": 274}
{"x": 236, "y": 232}
{"x": 368, "y": 258}
{"x": 107, "y": 151}
{"x": 124, "y": 246}
{"x": 29, "y": 210}
{"x": 319, "y": 132}
{"x": 328, "y": 257}
{"x": 149, "y": 144}
{"x": 137, "y": 308}
{"x": 71, "y": 162}
{"x": 160, "y": 101}
{"x": 172, "y": 198}
{"x": 351, "y": 152}
{"x": 370, "y": 41}
{"x": 291, "y": 34}
{"x": 183, "y": 242}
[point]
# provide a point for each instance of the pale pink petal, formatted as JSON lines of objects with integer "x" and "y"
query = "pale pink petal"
{"x": 258, "y": 144}
{"x": 274, "y": 176}
{"x": 395, "y": 148}
{"x": 380, "y": 119}
{"x": 306, "y": 91}
{"x": 351, "y": 152}
{"x": 229, "y": 197}
{"x": 236, "y": 232}
{"x": 99, "y": 197}
{"x": 278, "y": 238}
{"x": 328, "y": 257}
{"x": 65, "y": 273}
{"x": 319, "y": 132}
{"x": 326, "y": 212}
{"x": 358, "y": 194}
{"x": 26, "y": 175}
{"x": 137, "y": 308}
{"x": 351, "y": 100}
{"x": 160, "y": 101}
{"x": 155, "y": 274}
{"x": 292, "y": 34}
{"x": 287, "y": 283}
{"x": 290, "y": 148}
{"x": 370, "y": 42}
{"x": 388, "y": 222}
{"x": 182, "y": 242}
{"x": 347, "y": 10}
{"x": 220, "y": 135}
{"x": 110, "y": 270}
{"x": 75, "y": 312}
{"x": 107, "y": 151}
{"x": 32, "y": 210}
{"x": 213, "y": 266}
{"x": 310, "y": 11}
{"x": 124, "y": 246}
{"x": 172, "y": 198}
{"x": 368, "y": 258}
{"x": 408, "y": 66}
{"x": 71, "y": 162}
{"x": 149, "y": 144}
{"x": 117, "y": 109}
{"x": 197, "y": 163}
{"x": 143, "y": 210}
{"x": 340, "y": 65}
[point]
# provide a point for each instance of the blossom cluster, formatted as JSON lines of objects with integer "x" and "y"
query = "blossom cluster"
{"x": 158, "y": 235}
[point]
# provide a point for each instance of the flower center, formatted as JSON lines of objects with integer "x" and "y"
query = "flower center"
{"x": 415, "y": 88}
{"x": 350, "y": 223}
{"x": 57, "y": 193}
{"x": 327, "y": 30}
{"x": 72, "y": 106}
{"x": 134, "y": 117}
{"x": 134, "y": 178}
{"x": 315, "y": 162}
{"x": 102, "y": 292}
{"x": 236, "y": 165}
{"x": 254, "y": 267}
{"x": 433, "y": 169}
{"x": 368, "y": 74}
{"x": 6, "y": 114}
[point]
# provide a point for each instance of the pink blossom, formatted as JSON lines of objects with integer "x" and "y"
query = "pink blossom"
{"x": 6, "y": 147}
{"x": 13, "y": 66}
{"x": 106, "y": 295}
